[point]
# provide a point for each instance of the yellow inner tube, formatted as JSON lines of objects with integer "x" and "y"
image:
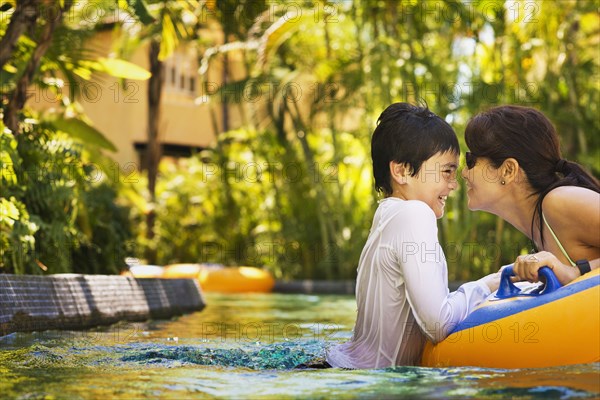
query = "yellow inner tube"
{"x": 224, "y": 279}
{"x": 563, "y": 330}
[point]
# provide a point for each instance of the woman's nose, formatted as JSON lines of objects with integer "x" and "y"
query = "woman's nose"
{"x": 465, "y": 173}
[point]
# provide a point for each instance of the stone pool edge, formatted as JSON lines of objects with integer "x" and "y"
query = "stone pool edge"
{"x": 71, "y": 301}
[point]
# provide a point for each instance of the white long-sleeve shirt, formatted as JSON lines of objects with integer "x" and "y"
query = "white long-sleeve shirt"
{"x": 402, "y": 290}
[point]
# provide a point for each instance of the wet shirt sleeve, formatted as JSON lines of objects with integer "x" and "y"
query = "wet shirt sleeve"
{"x": 425, "y": 275}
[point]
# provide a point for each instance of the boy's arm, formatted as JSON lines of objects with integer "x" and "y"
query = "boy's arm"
{"x": 424, "y": 269}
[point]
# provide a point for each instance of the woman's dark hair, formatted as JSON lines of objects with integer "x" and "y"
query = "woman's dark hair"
{"x": 408, "y": 134}
{"x": 526, "y": 135}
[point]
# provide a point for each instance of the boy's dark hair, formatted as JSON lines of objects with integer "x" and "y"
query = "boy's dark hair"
{"x": 408, "y": 134}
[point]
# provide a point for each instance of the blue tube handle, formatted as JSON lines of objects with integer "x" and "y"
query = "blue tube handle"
{"x": 508, "y": 289}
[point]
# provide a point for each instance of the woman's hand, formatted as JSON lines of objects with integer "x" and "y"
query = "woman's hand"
{"x": 526, "y": 267}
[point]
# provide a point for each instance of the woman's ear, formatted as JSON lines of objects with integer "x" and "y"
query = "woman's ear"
{"x": 399, "y": 172}
{"x": 509, "y": 170}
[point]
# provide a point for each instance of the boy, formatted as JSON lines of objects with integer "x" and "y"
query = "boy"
{"x": 402, "y": 283}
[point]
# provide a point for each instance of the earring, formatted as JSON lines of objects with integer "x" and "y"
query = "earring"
{"x": 502, "y": 183}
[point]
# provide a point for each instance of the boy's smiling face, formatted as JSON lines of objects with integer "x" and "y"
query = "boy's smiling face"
{"x": 432, "y": 185}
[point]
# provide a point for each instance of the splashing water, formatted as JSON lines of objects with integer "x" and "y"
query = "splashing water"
{"x": 188, "y": 357}
{"x": 273, "y": 356}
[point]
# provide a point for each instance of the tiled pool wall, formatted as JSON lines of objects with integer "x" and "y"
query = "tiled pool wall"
{"x": 69, "y": 301}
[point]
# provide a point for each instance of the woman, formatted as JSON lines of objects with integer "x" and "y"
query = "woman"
{"x": 515, "y": 170}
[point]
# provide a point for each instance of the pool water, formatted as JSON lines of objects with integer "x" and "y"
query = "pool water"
{"x": 249, "y": 346}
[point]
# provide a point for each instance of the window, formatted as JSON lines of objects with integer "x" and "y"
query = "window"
{"x": 181, "y": 76}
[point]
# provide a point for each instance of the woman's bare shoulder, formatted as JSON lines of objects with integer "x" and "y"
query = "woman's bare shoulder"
{"x": 572, "y": 205}
{"x": 570, "y": 195}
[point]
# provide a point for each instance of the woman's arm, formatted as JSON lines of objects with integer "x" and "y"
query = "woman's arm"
{"x": 527, "y": 266}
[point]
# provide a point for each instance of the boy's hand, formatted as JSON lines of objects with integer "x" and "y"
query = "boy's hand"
{"x": 493, "y": 280}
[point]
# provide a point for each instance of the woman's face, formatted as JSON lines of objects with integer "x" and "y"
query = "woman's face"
{"x": 483, "y": 183}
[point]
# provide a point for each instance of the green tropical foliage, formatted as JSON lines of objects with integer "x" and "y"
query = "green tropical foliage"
{"x": 58, "y": 210}
{"x": 291, "y": 188}
{"x": 61, "y": 212}
{"x": 269, "y": 214}
{"x": 164, "y": 25}
{"x": 351, "y": 59}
